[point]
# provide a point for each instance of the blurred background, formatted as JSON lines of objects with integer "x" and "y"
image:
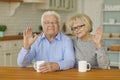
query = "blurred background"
{"x": 16, "y": 15}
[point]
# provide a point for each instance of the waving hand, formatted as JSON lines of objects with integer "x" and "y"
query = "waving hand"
{"x": 97, "y": 37}
{"x": 28, "y": 38}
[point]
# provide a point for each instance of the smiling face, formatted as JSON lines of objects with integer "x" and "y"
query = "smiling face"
{"x": 81, "y": 25}
{"x": 50, "y": 25}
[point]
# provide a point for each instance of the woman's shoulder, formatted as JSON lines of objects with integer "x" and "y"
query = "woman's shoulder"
{"x": 74, "y": 38}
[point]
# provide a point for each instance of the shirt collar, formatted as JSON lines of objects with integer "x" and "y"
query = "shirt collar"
{"x": 56, "y": 38}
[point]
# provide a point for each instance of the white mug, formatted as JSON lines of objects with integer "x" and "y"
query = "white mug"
{"x": 83, "y": 66}
{"x": 37, "y": 65}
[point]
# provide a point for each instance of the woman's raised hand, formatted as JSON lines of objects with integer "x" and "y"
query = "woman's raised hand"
{"x": 28, "y": 38}
{"x": 98, "y": 36}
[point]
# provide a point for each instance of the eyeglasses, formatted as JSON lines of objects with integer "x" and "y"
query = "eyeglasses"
{"x": 54, "y": 22}
{"x": 77, "y": 27}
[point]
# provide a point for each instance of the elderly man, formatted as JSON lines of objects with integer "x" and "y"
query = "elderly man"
{"x": 53, "y": 47}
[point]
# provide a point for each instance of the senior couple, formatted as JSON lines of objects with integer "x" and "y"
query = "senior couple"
{"x": 59, "y": 51}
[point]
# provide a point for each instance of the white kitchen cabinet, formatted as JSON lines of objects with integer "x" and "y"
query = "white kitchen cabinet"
{"x": 2, "y": 60}
{"x": 13, "y": 59}
{"x": 9, "y": 52}
{"x": 7, "y": 58}
{"x": 10, "y": 58}
{"x": 61, "y": 5}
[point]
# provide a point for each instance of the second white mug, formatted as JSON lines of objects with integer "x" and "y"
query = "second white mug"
{"x": 83, "y": 66}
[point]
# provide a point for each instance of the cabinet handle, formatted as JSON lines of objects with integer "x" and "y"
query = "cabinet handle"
{"x": 15, "y": 45}
{"x": 7, "y": 54}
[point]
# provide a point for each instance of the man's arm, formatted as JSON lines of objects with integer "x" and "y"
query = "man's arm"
{"x": 69, "y": 57}
{"x": 24, "y": 57}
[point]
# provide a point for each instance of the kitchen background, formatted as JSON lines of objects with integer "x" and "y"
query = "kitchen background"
{"x": 27, "y": 14}
{"x": 19, "y": 15}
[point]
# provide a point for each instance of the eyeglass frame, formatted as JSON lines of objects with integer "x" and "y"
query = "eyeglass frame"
{"x": 54, "y": 22}
{"x": 77, "y": 27}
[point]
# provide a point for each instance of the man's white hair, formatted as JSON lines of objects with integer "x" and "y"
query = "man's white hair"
{"x": 50, "y": 13}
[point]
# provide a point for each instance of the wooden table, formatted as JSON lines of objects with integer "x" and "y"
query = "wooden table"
{"x": 14, "y": 73}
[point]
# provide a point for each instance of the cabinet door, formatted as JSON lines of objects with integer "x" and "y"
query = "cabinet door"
{"x": 11, "y": 58}
{"x": 7, "y": 58}
{"x": 61, "y": 5}
{"x": 2, "y": 60}
{"x": 114, "y": 59}
{"x": 2, "y": 53}
{"x": 9, "y": 51}
{"x": 14, "y": 58}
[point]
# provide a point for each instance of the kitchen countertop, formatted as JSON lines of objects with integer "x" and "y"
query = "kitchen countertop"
{"x": 11, "y": 37}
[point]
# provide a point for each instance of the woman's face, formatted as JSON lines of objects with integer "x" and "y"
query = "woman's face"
{"x": 79, "y": 28}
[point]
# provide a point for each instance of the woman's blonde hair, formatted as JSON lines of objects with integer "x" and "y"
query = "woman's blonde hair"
{"x": 84, "y": 18}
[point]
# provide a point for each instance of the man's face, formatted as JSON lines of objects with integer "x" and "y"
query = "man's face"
{"x": 50, "y": 25}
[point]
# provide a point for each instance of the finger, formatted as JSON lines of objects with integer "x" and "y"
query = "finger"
{"x": 44, "y": 70}
{"x": 29, "y": 31}
{"x": 41, "y": 34}
{"x": 35, "y": 36}
{"x": 26, "y": 31}
{"x": 24, "y": 34}
{"x": 28, "y": 28}
{"x": 99, "y": 30}
{"x": 45, "y": 67}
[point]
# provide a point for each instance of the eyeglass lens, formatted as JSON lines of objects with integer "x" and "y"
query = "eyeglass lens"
{"x": 77, "y": 27}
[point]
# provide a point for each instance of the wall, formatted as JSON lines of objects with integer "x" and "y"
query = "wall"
{"x": 93, "y": 8}
{"x": 26, "y": 15}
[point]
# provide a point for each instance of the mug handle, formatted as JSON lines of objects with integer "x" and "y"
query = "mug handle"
{"x": 89, "y": 67}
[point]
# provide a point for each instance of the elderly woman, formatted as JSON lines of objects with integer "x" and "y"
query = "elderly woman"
{"x": 87, "y": 46}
